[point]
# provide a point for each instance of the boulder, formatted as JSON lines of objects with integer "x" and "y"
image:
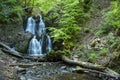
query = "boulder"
{"x": 22, "y": 41}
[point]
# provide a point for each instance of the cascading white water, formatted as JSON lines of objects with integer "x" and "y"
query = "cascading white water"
{"x": 41, "y": 27}
{"x": 44, "y": 45}
{"x": 49, "y": 44}
{"x": 35, "y": 48}
{"x": 30, "y": 25}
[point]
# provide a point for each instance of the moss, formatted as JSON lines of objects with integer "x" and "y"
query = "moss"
{"x": 93, "y": 57}
{"x": 22, "y": 46}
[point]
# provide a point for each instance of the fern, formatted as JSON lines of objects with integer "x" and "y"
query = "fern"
{"x": 69, "y": 21}
{"x": 10, "y": 11}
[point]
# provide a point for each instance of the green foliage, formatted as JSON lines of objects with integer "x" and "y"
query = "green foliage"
{"x": 103, "y": 52}
{"x": 93, "y": 57}
{"x": 70, "y": 17}
{"x": 44, "y": 5}
{"x": 115, "y": 43}
{"x": 111, "y": 26}
{"x": 112, "y": 19}
{"x": 58, "y": 34}
{"x": 10, "y": 9}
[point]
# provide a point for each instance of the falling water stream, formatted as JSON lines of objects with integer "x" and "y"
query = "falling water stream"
{"x": 30, "y": 25}
{"x": 41, "y": 46}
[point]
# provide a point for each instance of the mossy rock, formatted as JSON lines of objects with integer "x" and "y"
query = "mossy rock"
{"x": 22, "y": 41}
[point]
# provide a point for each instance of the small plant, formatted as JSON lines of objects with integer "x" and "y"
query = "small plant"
{"x": 103, "y": 52}
{"x": 93, "y": 57}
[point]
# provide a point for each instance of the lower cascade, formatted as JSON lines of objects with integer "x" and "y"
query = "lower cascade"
{"x": 34, "y": 47}
{"x": 41, "y": 46}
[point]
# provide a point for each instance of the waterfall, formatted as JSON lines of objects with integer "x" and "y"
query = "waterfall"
{"x": 34, "y": 47}
{"x": 41, "y": 27}
{"x": 49, "y": 44}
{"x": 30, "y": 25}
{"x": 41, "y": 46}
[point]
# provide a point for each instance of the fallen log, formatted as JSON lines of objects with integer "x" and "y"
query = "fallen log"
{"x": 93, "y": 68}
{"x": 10, "y": 50}
{"x": 17, "y": 54}
{"x": 108, "y": 73}
{"x": 83, "y": 64}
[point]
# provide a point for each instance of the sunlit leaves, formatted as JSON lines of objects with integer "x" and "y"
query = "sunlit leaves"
{"x": 45, "y": 5}
{"x": 69, "y": 20}
{"x": 112, "y": 17}
{"x": 9, "y": 10}
{"x": 59, "y": 34}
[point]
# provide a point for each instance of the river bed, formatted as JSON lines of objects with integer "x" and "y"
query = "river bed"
{"x": 53, "y": 71}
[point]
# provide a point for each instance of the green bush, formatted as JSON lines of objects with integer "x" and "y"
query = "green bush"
{"x": 11, "y": 11}
{"x": 93, "y": 57}
{"x": 69, "y": 21}
{"x": 112, "y": 19}
{"x": 103, "y": 52}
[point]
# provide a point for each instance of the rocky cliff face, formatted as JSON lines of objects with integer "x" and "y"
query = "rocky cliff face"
{"x": 14, "y": 36}
{"x": 21, "y": 41}
{"x": 9, "y": 31}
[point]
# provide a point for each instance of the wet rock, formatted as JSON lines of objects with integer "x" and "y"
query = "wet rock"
{"x": 22, "y": 41}
{"x": 20, "y": 70}
{"x": 7, "y": 72}
{"x": 97, "y": 44}
{"x": 8, "y": 31}
{"x": 22, "y": 78}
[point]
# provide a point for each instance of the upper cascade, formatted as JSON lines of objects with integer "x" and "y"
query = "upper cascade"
{"x": 41, "y": 27}
{"x": 30, "y": 25}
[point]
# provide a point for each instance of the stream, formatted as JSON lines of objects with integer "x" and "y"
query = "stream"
{"x": 52, "y": 71}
